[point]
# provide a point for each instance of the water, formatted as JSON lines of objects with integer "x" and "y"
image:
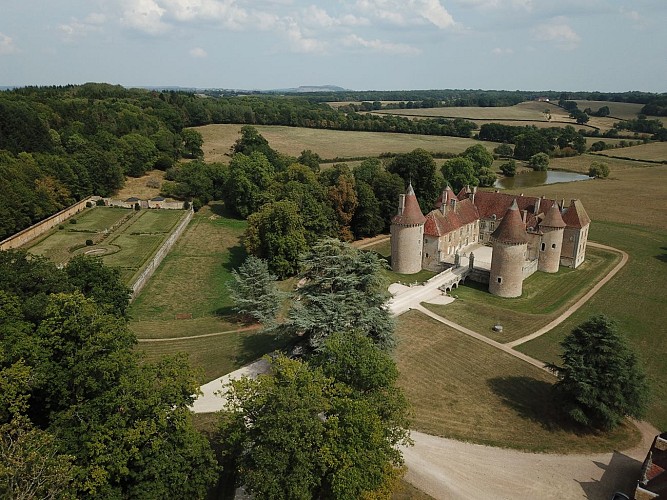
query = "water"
{"x": 538, "y": 178}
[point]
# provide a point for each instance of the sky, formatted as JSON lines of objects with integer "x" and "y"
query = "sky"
{"x": 567, "y": 45}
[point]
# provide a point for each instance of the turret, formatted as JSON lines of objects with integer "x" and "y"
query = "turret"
{"x": 509, "y": 242}
{"x": 552, "y": 240}
{"x": 407, "y": 234}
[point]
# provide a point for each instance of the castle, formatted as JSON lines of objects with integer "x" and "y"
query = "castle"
{"x": 527, "y": 234}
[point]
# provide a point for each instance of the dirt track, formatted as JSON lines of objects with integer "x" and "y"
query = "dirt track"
{"x": 449, "y": 469}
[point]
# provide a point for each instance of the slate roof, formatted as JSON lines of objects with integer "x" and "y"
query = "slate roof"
{"x": 575, "y": 215}
{"x": 511, "y": 229}
{"x": 438, "y": 224}
{"x": 653, "y": 475}
{"x": 132, "y": 198}
{"x": 158, "y": 198}
{"x": 411, "y": 214}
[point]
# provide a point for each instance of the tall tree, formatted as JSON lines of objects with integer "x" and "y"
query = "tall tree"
{"x": 342, "y": 196}
{"x": 247, "y": 183}
{"x": 343, "y": 289}
{"x": 600, "y": 381}
{"x": 254, "y": 292}
{"x": 276, "y": 233}
{"x": 419, "y": 168}
{"x": 460, "y": 172}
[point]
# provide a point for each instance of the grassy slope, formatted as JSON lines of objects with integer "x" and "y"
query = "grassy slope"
{"x": 636, "y": 299}
{"x": 464, "y": 389}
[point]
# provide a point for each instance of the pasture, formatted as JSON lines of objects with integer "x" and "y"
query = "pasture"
{"x": 218, "y": 139}
{"x": 524, "y": 111}
{"x": 464, "y": 389}
{"x": 142, "y": 187}
{"x": 653, "y": 151}
{"x": 123, "y": 238}
{"x": 622, "y": 110}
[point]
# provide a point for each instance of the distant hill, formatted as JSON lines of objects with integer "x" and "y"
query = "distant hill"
{"x": 312, "y": 88}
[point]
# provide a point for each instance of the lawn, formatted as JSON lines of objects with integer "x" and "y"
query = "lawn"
{"x": 636, "y": 299}
{"x": 464, "y": 389}
{"x": 544, "y": 297}
{"x": 218, "y": 139}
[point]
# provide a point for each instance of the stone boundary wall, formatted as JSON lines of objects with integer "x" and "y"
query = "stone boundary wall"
{"x": 32, "y": 232}
{"x": 529, "y": 268}
{"x": 169, "y": 205}
{"x": 160, "y": 255}
{"x": 480, "y": 275}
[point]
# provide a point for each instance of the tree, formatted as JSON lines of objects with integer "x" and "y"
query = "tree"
{"x": 504, "y": 150}
{"x": 460, "y": 172}
{"x": 342, "y": 196}
{"x": 367, "y": 219}
{"x": 276, "y": 233}
{"x": 343, "y": 289}
{"x": 254, "y": 290}
{"x": 246, "y": 187}
{"x": 479, "y": 155}
{"x": 486, "y": 177}
{"x": 529, "y": 144}
{"x": 419, "y": 168}
{"x": 137, "y": 154}
{"x": 386, "y": 187}
{"x": 192, "y": 143}
{"x": 310, "y": 159}
{"x": 599, "y": 170}
{"x": 600, "y": 380}
{"x": 539, "y": 161}
{"x": 508, "y": 168}
{"x": 297, "y": 433}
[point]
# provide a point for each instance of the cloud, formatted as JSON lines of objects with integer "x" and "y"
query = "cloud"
{"x": 408, "y": 12}
{"x": 499, "y": 4}
{"x": 299, "y": 42}
{"x": 80, "y": 29}
{"x": 502, "y": 51}
{"x": 7, "y": 45}
{"x": 145, "y": 16}
{"x": 558, "y": 32}
{"x": 198, "y": 53}
{"x": 380, "y": 45}
{"x": 316, "y": 16}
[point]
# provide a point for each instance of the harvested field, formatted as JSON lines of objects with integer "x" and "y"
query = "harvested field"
{"x": 653, "y": 151}
{"x": 622, "y": 110}
{"x": 140, "y": 186}
{"x": 465, "y": 389}
{"x": 218, "y": 139}
{"x": 529, "y": 111}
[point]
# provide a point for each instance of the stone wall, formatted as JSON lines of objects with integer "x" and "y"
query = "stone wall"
{"x": 160, "y": 255}
{"x": 32, "y": 232}
{"x": 170, "y": 205}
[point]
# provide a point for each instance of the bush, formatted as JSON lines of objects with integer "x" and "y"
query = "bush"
{"x": 89, "y": 204}
{"x": 61, "y": 227}
{"x": 598, "y": 170}
{"x": 72, "y": 221}
{"x": 508, "y": 168}
{"x": 186, "y": 205}
{"x": 137, "y": 206}
{"x": 100, "y": 203}
{"x": 598, "y": 146}
{"x": 89, "y": 243}
{"x": 539, "y": 161}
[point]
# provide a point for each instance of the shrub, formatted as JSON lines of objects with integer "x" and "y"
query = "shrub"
{"x": 508, "y": 168}
{"x": 599, "y": 170}
{"x": 89, "y": 243}
{"x": 72, "y": 221}
{"x": 137, "y": 206}
{"x": 100, "y": 202}
{"x": 186, "y": 205}
{"x": 89, "y": 204}
{"x": 598, "y": 146}
{"x": 61, "y": 227}
{"x": 539, "y": 161}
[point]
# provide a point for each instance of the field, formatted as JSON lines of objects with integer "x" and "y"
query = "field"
{"x": 191, "y": 284}
{"x": 653, "y": 151}
{"x": 622, "y": 110}
{"x": 140, "y": 187}
{"x": 123, "y": 238}
{"x": 464, "y": 389}
{"x": 218, "y": 139}
{"x": 525, "y": 111}
{"x": 544, "y": 297}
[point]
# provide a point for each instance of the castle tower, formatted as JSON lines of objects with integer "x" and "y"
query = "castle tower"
{"x": 575, "y": 235}
{"x": 407, "y": 234}
{"x": 509, "y": 242}
{"x": 552, "y": 240}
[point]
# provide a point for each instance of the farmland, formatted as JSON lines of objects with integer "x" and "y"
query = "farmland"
{"x": 654, "y": 151}
{"x": 218, "y": 139}
{"x": 622, "y": 110}
{"x": 124, "y": 238}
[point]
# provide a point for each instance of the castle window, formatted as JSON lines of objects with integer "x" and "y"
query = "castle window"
{"x": 500, "y": 280}
{"x": 542, "y": 247}
{"x": 553, "y": 245}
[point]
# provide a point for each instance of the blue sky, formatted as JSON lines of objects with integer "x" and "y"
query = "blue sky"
{"x": 356, "y": 44}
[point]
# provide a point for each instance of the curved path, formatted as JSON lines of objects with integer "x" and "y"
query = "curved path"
{"x": 450, "y": 469}
{"x": 214, "y": 334}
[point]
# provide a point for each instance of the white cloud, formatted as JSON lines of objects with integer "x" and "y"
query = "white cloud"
{"x": 144, "y": 15}
{"x": 558, "y": 32}
{"x": 7, "y": 45}
{"x": 198, "y": 53}
{"x": 380, "y": 45}
{"x": 408, "y": 12}
{"x": 79, "y": 29}
{"x": 314, "y": 15}
{"x": 499, "y": 51}
{"x": 499, "y": 4}
{"x": 299, "y": 42}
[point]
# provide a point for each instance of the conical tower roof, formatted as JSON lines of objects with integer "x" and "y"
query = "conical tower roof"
{"x": 553, "y": 218}
{"x": 511, "y": 229}
{"x": 411, "y": 213}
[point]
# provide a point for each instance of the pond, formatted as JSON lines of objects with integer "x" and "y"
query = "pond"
{"x": 537, "y": 178}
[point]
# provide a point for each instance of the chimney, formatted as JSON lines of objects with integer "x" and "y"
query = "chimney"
{"x": 401, "y": 204}
{"x": 562, "y": 204}
{"x": 454, "y": 204}
{"x": 537, "y": 205}
{"x": 525, "y": 216}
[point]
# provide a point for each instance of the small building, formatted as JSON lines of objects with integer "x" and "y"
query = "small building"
{"x": 652, "y": 481}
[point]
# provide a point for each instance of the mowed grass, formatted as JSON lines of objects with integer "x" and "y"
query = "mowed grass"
{"x": 636, "y": 298}
{"x": 464, "y": 389}
{"x": 218, "y": 139}
{"x": 544, "y": 297}
{"x": 653, "y": 151}
{"x": 622, "y": 110}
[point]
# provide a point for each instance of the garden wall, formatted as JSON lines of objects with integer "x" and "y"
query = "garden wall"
{"x": 32, "y": 232}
